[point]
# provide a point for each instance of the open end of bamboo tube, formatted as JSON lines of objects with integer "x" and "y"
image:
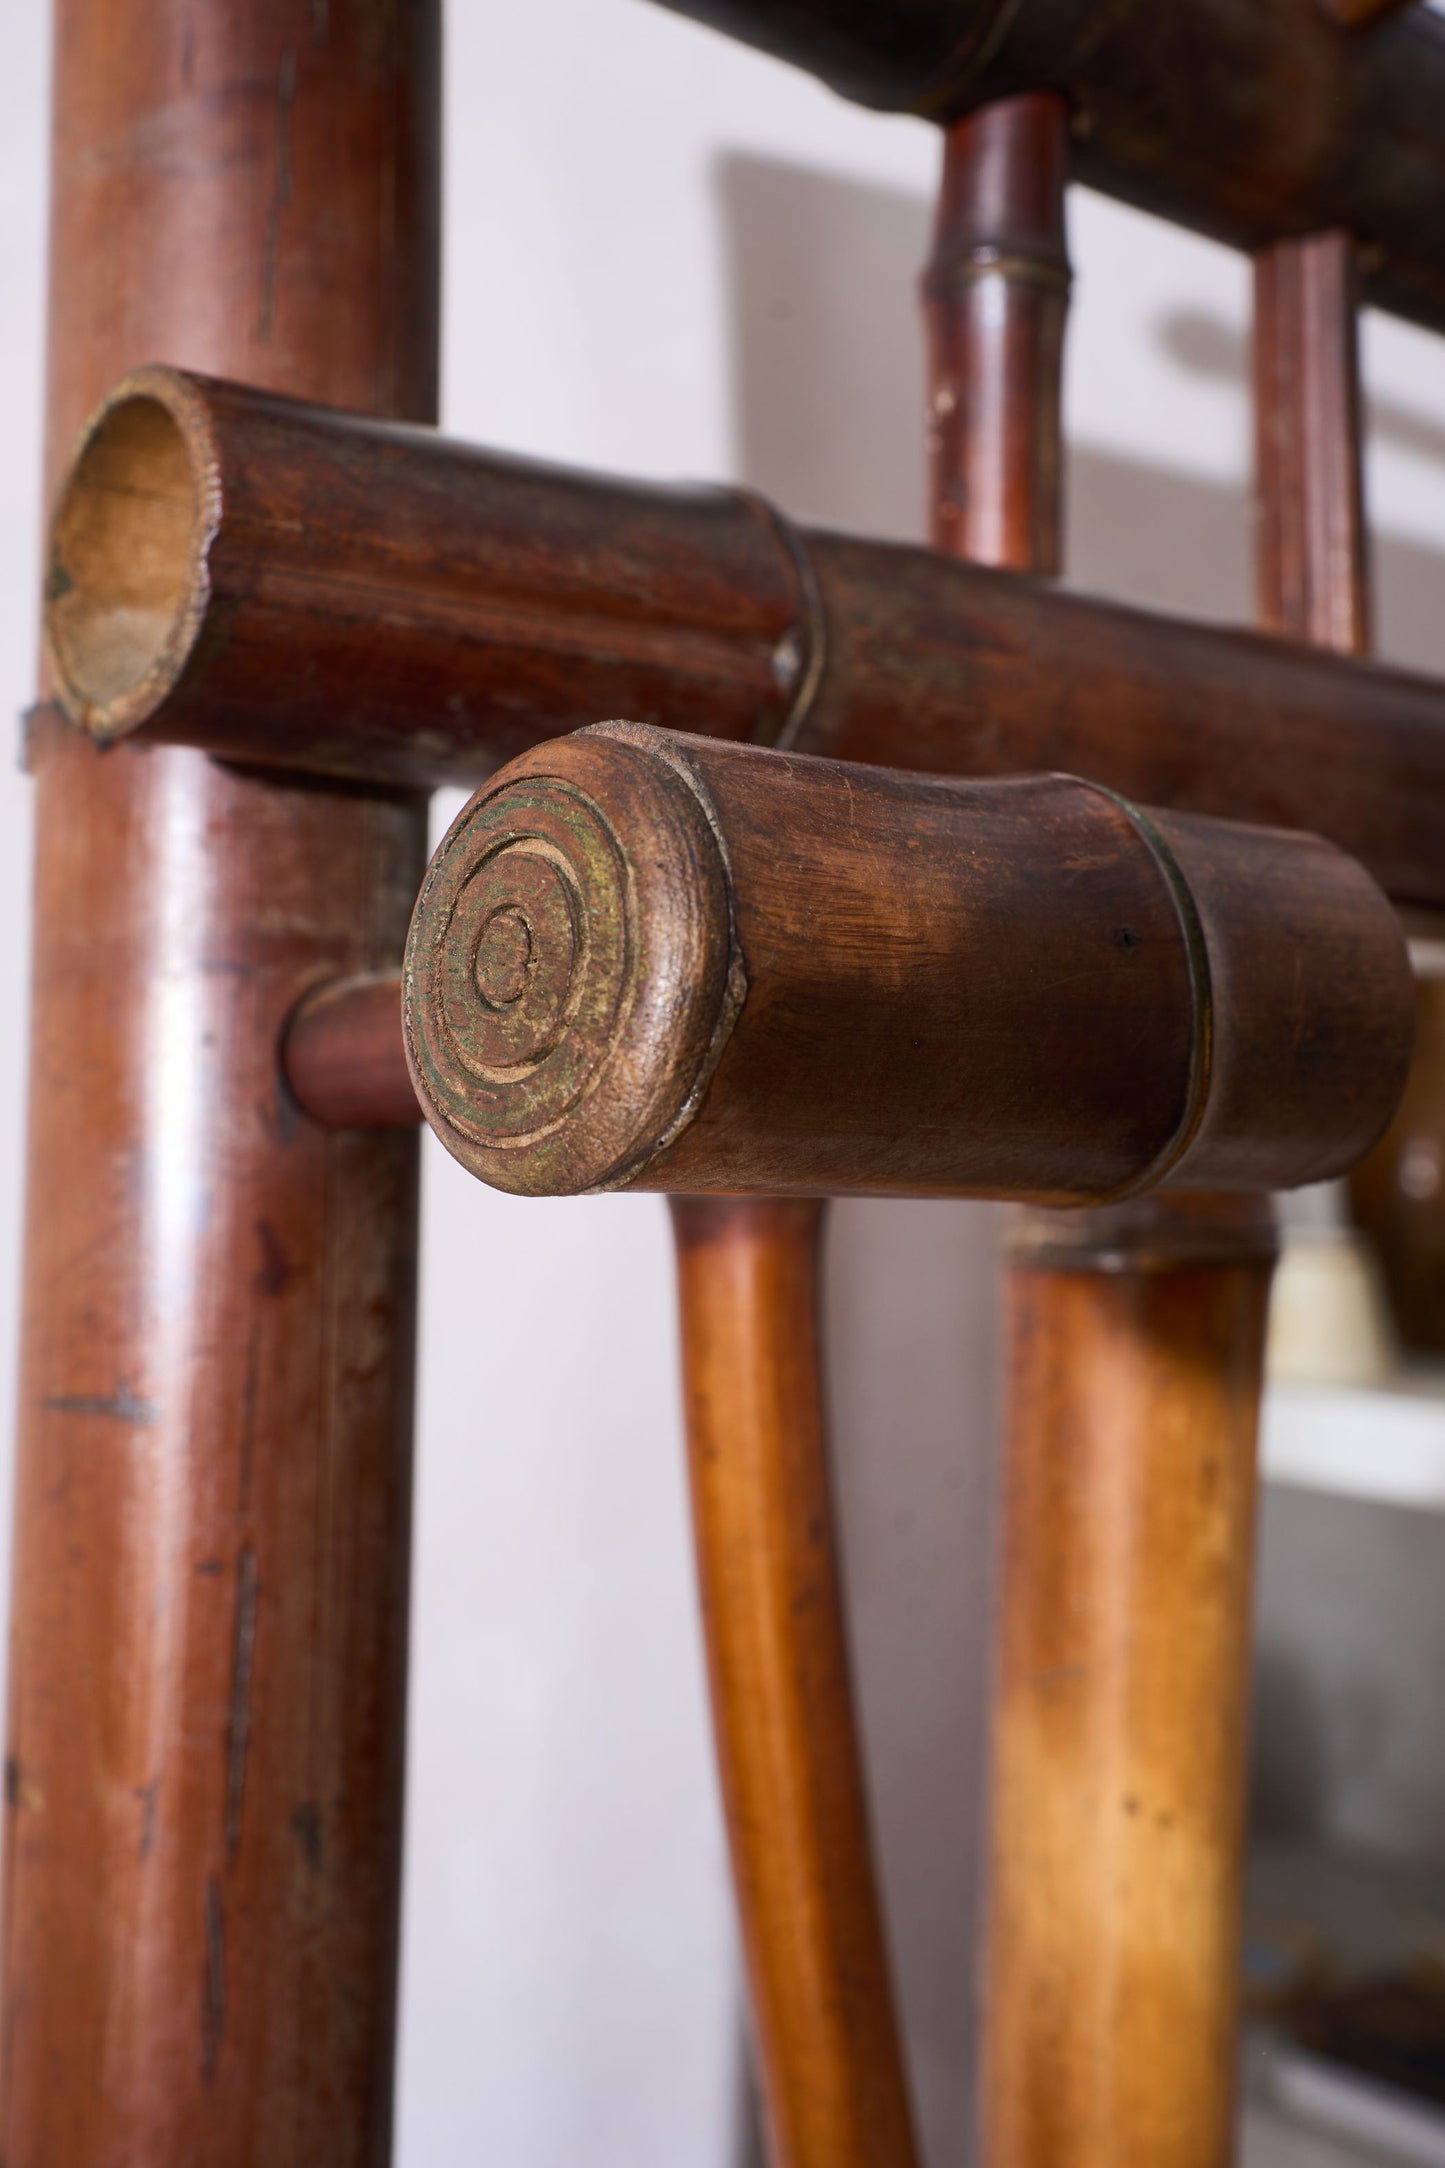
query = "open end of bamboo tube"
{"x": 127, "y": 578}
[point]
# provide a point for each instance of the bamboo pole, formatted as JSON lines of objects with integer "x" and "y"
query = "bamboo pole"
{"x": 212, "y": 1495}
{"x": 828, "y": 2053}
{"x": 1134, "y": 1343}
{"x": 1314, "y": 585}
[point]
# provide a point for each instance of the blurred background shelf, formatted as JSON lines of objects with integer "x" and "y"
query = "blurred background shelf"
{"x": 1384, "y": 1442}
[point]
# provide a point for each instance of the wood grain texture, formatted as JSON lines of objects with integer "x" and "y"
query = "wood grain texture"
{"x": 1134, "y": 1350}
{"x": 1249, "y": 120}
{"x": 509, "y": 602}
{"x": 649, "y": 961}
{"x": 212, "y": 1503}
{"x": 827, "y": 2046}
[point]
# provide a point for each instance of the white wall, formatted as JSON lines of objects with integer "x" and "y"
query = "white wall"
{"x": 671, "y": 257}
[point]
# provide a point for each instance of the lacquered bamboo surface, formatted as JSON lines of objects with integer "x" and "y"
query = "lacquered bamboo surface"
{"x": 826, "y": 2039}
{"x": 1133, "y": 1345}
{"x": 206, "y": 529}
{"x": 208, "y": 1635}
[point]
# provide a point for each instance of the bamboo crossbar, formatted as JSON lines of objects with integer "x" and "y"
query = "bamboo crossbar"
{"x": 1249, "y": 120}
{"x": 494, "y": 603}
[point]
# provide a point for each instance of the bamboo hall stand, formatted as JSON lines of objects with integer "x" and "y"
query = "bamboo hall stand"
{"x": 696, "y": 964}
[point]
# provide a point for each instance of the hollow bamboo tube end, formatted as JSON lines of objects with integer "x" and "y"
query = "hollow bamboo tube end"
{"x": 127, "y": 581}
{"x": 571, "y": 977}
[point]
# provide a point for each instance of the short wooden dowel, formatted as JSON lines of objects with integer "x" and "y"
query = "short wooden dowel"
{"x": 209, "y": 1603}
{"x": 828, "y": 2052}
{"x": 344, "y": 1059}
{"x": 995, "y": 303}
{"x": 204, "y": 529}
{"x": 643, "y": 960}
{"x": 1133, "y": 1343}
{"x": 1310, "y": 545}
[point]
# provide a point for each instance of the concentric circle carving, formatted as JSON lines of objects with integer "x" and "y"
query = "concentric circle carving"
{"x": 570, "y": 969}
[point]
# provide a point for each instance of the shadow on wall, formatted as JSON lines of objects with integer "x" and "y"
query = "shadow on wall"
{"x": 828, "y": 377}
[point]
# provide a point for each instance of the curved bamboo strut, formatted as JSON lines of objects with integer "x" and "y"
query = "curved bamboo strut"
{"x": 830, "y": 2060}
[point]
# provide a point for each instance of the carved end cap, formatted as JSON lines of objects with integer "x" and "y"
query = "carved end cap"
{"x": 570, "y": 975}
{"x": 127, "y": 582}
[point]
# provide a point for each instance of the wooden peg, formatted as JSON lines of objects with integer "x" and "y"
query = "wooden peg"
{"x": 995, "y": 303}
{"x": 825, "y": 2033}
{"x": 206, "y": 1713}
{"x": 647, "y": 961}
{"x": 1249, "y": 122}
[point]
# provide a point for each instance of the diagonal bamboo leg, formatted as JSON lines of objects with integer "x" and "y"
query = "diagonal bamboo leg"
{"x": 827, "y": 2040}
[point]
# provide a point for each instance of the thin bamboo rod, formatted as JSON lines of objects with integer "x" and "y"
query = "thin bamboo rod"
{"x": 996, "y": 302}
{"x": 828, "y": 2051}
{"x": 343, "y": 1056}
{"x": 208, "y": 1611}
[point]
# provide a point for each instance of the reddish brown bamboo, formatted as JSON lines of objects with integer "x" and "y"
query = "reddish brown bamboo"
{"x": 827, "y": 2043}
{"x": 1315, "y": 586}
{"x": 648, "y": 961}
{"x": 1134, "y": 1343}
{"x": 1250, "y": 120}
{"x": 344, "y": 1059}
{"x": 212, "y": 1503}
{"x": 206, "y": 528}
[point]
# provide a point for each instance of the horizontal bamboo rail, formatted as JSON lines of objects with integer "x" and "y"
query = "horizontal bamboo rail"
{"x": 1251, "y": 120}
{"x": 441, "y": 609}
{"x": 647, "y": 961}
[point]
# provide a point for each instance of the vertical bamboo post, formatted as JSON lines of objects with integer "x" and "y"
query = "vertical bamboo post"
{"x": 1134, "y": 1341}
{"x": 1313, "y": 575}
{"x": 996, "y": 304}
{"x": 1314, "y": 585}
{"x": 828, "y": 2049}
{"x": 209, "y": 1605}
